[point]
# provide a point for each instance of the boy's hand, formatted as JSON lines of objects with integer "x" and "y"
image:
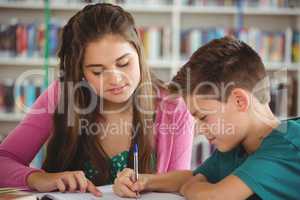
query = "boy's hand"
{"x": 124, "y": 186}
{"x": 63, "y": 181}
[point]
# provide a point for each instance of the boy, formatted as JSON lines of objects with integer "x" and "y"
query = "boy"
{"x": 258, "y": 157}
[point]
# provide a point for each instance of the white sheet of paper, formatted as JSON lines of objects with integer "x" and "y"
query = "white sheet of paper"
{"x": 108, "y": 195}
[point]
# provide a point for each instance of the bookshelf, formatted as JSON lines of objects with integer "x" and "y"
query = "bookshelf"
{"x": 176, "y": 15}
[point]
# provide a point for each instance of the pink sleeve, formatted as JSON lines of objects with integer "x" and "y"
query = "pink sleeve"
{"x": 183, "y": 139}
{"x": 23, "y": 143}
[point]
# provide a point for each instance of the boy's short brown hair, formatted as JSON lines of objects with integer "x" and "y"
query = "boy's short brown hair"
{"x": 224, "y": 63}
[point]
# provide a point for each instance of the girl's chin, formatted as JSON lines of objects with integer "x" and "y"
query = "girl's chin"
{"x": 118, "y": 98}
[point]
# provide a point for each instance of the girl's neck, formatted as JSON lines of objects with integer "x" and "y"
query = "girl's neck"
{"x": 110, "y": 108}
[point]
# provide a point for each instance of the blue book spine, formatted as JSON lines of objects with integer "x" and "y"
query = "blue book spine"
{"x": 31, "y": 29}
{"x": 53, "y": 39}
{"x": 29, "y": 94}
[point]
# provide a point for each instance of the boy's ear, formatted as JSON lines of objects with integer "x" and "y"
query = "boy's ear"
{"x": 240, "y": 99}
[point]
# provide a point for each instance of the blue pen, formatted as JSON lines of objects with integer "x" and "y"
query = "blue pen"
{"x": 136, "y": 164}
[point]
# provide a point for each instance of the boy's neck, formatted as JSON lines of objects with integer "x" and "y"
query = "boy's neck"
{"x": 259, "y": 128}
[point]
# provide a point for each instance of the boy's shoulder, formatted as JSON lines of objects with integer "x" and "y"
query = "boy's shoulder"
{"x": 286, "y": 135}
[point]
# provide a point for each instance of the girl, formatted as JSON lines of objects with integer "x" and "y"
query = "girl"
{"x": 105, "y": 101}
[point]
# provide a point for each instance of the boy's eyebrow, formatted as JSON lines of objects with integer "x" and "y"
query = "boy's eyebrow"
{"x": 100, "y": 65}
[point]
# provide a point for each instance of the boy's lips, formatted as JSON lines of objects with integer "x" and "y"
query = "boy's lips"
{"x": 211, "y": 140}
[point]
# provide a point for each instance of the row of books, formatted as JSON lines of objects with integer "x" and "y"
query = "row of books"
{"x": 157, "y": 42}
{"x": 16, "y": 98}
{"x": 28, "y": 40}
{"x": 128, "y": 2}
{"x": 270, "y": 45}
{"x": 65, "y": 2}
{"x": 246, "y": 3}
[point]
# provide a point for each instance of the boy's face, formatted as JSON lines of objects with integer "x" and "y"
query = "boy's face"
{"x": 223, "y": 124}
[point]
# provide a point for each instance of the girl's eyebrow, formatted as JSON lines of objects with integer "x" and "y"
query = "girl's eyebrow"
{"x": 123, "y": 56}
{"x": 101, "y": 65}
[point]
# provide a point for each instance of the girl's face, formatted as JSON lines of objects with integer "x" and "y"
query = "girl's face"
{"x": 111, "y": 67}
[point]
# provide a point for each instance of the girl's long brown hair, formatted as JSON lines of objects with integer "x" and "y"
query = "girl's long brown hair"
{"x": 69, "y": 147}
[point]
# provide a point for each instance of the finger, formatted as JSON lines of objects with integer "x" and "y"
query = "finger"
{"x": 60, "y": 185}
{"x": 81, "y": 180}
{"x": 126, "y": 192}
{"x": 93, "y": 189}
{"x": 126, "y": 181}
{"x": 119, "y": 174}
{"x": 126, "y": 172}
{"x": 137, "y": 187}
{"x": 71, "y": 182}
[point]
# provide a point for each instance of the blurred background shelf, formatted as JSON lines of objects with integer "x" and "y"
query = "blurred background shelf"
{"x": 11, "y": 117}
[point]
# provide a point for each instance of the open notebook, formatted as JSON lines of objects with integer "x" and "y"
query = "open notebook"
{"x": 107, "y": 195}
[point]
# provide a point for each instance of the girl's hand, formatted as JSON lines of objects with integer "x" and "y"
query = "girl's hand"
{"x": 64, "y": 181}
{"x": 124, "y": 186}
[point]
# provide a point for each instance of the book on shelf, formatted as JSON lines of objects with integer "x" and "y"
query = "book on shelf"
{"x": 296, "y": 47}
{"x": 284, "y": 92}
{"x": 248, "y": 3}
{"x": 16, "y": 98}
{"x": 270, "y": 45}
{"x": 202, "y": 150}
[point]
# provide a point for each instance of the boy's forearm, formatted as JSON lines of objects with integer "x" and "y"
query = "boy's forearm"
{"x": 197, "y": 190}
{"x": 168, "y": 182}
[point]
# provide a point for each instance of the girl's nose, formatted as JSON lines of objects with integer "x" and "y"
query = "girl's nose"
{"x": 115, "y": 77}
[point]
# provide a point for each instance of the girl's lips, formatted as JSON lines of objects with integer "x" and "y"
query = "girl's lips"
{"x": 117, "y": 90}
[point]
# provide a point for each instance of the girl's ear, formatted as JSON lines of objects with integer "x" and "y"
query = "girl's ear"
{"x": 241, "y": 99}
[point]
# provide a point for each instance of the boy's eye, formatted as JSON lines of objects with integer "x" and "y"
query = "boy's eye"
{"x": 202, "y": 118}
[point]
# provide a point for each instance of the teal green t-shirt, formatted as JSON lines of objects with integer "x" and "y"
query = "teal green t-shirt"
{"x": 272, "y": 172}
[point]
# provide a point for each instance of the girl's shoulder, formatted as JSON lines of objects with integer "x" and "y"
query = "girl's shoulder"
{"x": 169, "y": 103}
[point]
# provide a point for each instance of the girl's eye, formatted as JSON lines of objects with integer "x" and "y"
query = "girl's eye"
{"x": 97, "y": 73}
{"x": 123, "y": 65}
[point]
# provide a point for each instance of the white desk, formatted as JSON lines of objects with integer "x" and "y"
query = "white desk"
{"x": 109, "y": 195}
